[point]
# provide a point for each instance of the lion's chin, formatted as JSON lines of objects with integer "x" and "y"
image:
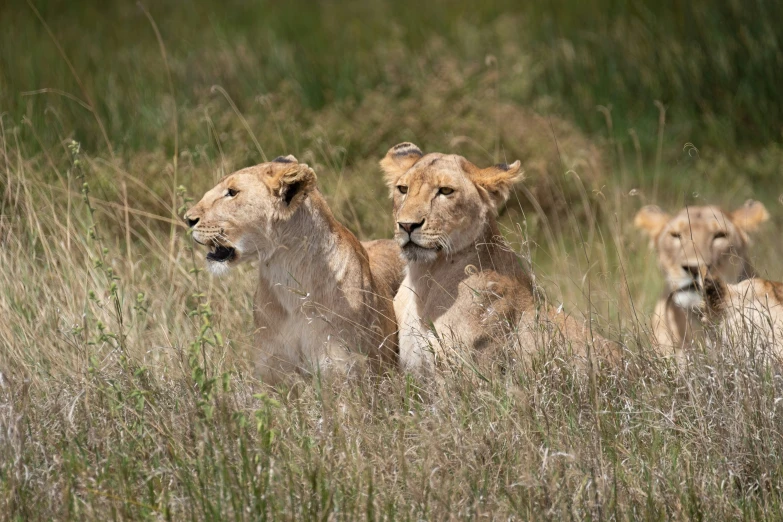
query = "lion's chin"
{"x": 414, "y": 253}
{"x": 688, "y": 299}
{"x": 221, "y": 258}
{"x": 218, "y": 268}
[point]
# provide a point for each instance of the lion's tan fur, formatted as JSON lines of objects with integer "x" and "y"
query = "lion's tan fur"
{"x": 692, "y": 241}
{"x": 324, "y": 299}
{"x": 747, "y": 315}
{"x": 464, "y": 288}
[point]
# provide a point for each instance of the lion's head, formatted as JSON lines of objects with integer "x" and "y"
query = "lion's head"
{"x": 238, "y": 218}
{"x": 700, "y": 240}
{"x": 442, "y": 202}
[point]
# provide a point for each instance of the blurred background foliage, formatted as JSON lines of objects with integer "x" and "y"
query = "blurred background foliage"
{"x": 716, "y": 66}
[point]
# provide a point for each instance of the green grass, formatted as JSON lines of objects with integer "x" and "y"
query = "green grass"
{"x": 124, "y": 387}
{"x": 716, "y": 66}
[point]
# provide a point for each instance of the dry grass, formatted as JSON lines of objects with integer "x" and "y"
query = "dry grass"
{"x": 124, "y": 392}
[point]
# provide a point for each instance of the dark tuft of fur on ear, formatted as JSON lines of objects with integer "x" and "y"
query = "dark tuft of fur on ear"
{"x": 398, "y": 160}
{"x": 401, "y": 147}
{"x": 285, "y": 159}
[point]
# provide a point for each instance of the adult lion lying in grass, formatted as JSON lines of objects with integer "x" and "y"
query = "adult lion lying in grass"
{"x": 694, "y": 240}
{"x": 323, "y": 297}
{"x": 747, "y": 316}
{"x": 464, "y": 290}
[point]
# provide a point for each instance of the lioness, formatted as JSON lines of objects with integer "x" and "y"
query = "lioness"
{"x": 322, "y": 296}
{"x": 695, "y": 239}
{"x": 464, "y": 288}
{"x": 747, "y": 315}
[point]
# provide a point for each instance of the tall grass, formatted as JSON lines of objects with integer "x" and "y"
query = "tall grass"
{"x": 124, "y": 387}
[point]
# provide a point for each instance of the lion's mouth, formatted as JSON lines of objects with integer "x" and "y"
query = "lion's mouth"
{"x": 411, "y": 243}
{"x": 415, "y": 252}
{"x": 221, "y": 254}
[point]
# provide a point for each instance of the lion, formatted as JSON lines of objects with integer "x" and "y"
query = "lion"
{"x": 464, "y": 288}
{"x": 747, "y": 315}
{"x": 695, "y": 239}
{"x": 324, "y": 299}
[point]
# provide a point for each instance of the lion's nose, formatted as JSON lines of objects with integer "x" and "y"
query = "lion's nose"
{"x": 191, "y": 221}
{"x": 410, "y": 227}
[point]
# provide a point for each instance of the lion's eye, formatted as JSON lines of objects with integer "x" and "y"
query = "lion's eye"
{"x": 446, "y": 191}
{"x": 720, "y": 235}
{"x": 230, "y": 193}
{"x": 675, "y": 235}
{"x": 403, "y": 189}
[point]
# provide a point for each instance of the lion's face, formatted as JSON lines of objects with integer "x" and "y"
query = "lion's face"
{"x": 442, "y": 202}
{"x": 237, "y": 219}
{"x": 700, "y": 240}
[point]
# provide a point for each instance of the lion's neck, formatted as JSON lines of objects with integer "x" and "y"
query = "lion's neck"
{"x": 683, "y": 325}
{"x": 488, "y": 252}
{"x": 309, "y": 256}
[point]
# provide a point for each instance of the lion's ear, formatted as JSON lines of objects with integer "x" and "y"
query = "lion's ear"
{"x": 398, "y": 160}
{"x": 750, "y": 215}
{"x": 292, "y": 185}
{"x": 497, "y": 180}
{"x": 651, "y": 219}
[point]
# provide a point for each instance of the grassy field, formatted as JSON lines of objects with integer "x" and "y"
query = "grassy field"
{"x": 124, "y": 387}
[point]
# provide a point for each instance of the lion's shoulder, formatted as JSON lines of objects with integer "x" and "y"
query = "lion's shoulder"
{"x": 386, "y": 265}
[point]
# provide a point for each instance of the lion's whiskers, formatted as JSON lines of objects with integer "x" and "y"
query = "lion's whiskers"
{"x": 224, "y": 238}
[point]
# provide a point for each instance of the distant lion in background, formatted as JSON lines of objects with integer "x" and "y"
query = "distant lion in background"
{"x": 692, "y": 241}
{"x": 324, "y": 300}
{"x": 465, "y": 290}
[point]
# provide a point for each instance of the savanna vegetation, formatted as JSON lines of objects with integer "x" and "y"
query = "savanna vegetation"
{"x": 125, "y": 391}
